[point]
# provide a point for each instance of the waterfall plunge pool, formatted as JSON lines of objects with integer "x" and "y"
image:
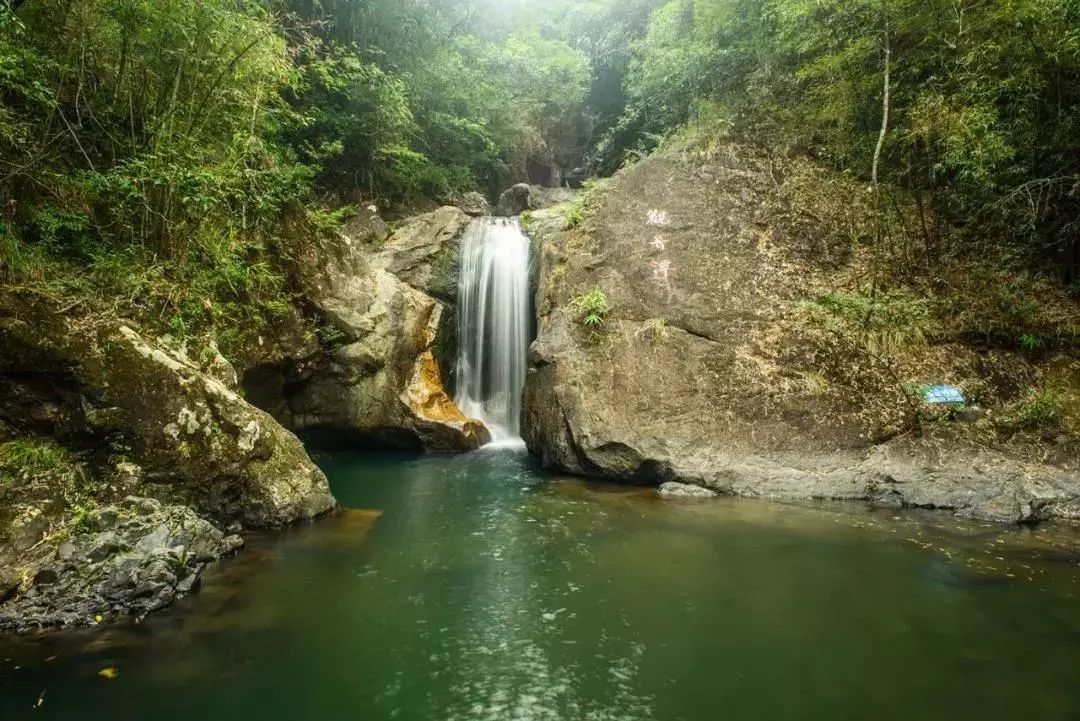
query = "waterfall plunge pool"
{"x": 487, "y": 589}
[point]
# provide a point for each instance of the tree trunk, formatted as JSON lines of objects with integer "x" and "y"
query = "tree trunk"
{"x": 879, "y": 209}
{"x": 884, "y": 105}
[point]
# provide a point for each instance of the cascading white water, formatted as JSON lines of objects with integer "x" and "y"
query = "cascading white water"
{"x": 493, "y": 324}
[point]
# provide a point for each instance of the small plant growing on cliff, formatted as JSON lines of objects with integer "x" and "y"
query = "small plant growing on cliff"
{"x": 884, "y": 325}
{"x": 583, "y": 204}
{"x": 1032, "y": 341}
{"x": 592, "y": 307}
{"x": 1040, "y": 411}
{"x": 575, "y": 214}
{"x": 30, "y": 457}
{"x": 330, "y": 336}
{"x": 655, "y": 329}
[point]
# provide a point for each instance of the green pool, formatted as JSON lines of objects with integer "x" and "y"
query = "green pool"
{"x": 486, "y": 589}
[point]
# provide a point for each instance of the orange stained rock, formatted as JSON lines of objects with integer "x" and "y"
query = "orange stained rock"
{"x": 426, "y": 395}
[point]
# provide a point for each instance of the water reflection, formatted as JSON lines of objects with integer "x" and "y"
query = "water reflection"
{"x": 487, "y": 590}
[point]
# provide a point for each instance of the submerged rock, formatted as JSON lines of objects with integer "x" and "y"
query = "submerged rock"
{"x": 672, "y": 489}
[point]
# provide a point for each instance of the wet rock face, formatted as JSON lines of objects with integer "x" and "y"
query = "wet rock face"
{"x": 442, "y": 424}
{"x": 386, "y": 301}
{"x": 132, "y": 557}
{"x": 704, "y": 371}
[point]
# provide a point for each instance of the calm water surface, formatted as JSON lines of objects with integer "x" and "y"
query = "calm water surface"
{"x": 488, "y": 590}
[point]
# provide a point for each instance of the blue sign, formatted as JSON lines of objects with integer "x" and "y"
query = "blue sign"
{"x": 943, "y": 394}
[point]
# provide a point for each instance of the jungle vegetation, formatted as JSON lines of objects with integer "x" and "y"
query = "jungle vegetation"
{"x": 166, "y": 151}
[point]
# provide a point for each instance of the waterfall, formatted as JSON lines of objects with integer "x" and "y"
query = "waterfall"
{"x": 493, "y": 324}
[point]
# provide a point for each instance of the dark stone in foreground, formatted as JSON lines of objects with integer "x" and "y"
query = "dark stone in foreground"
{"x": 132, "y": 557}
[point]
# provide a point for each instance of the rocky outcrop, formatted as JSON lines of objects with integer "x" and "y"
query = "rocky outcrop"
{"x": 706, "y": 370}
{"x": 424, "y": 251}
{"x": 131, "y": 557}
{"x": 474, "y": 204}
{"x": 137, "y": 459}
{"x": 542, "y": 197}
{"x": 384, "y": 302}
{"x": 516, "y": 199}
{"x": 188, "y": 429}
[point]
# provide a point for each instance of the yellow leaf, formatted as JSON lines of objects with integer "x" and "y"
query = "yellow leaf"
{"x": 109, "y": 673}
{"x": 98, "y": 618}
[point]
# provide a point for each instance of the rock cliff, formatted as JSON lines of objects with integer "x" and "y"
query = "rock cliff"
{"x": 709, "y": 369}
{"x": 386, "y": 302}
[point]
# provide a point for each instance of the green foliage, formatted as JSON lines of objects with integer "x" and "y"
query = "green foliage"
{"x": 154, "y": 120}
{"x": 162, "y": 154}
{"x": 984, "y": 108}
{"x": 655, "y": 329}
{"x": 886, "y": 323}
{"x": 583, "y": 204}
{"x": 330, "y": 336}
{"x": 1004, "y": 304}
{"x": 14, "y": 263}
{"x": 29, "y": 457}
{"x": 1040, "y": 411}
{"x": 1016, "y": 301}
{"x": 575, "y": 214}
{"x": 394, "y": 109}
{"x": 592, "y": 308}
{"x": 1032, "y": 341}
{"x": 915, "y": 391}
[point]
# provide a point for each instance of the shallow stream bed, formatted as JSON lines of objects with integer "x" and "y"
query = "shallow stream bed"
{"x": 480, "y": 588}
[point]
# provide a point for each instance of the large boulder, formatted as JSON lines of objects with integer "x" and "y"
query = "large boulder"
{"x": 384, "y": 304}
{"x": 519, "y": 198}
{"x": 474, "y": 204}
{"x": 187, "y": 428}
{"x": 542, "y": 197}
{"x": 424, "y": 252}
{"x": 706, "y": 371}
{"x": 514, "y": 200}
{"x": 130, "y": 461}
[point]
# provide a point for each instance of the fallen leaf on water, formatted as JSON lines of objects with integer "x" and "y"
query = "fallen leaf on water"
{"x": 109, "y": 673}
{"x": 40, "y": 700}
{"x": 50, "y": 659}
{"x": 98, "y": 618}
